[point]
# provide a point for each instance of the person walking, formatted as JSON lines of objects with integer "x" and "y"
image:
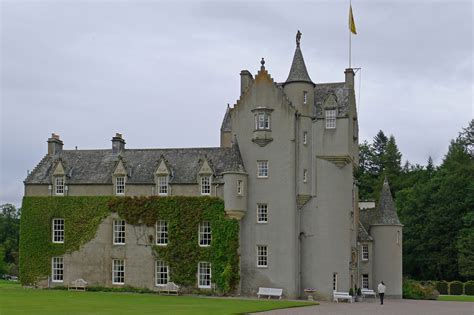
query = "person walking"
{"x": 381, "y": 288}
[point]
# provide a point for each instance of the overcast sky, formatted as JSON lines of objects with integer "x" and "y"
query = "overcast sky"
{"x": 162, "y": 72}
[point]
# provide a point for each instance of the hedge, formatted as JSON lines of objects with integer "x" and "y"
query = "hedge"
{"x": 469, "y": 288}
{"x": 417, "y": 291}
{"x": 455, "y": 288}
{"x": 442, "y": 287}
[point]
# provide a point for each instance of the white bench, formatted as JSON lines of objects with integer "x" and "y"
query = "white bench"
{"x": 368, "y": 292}
{"x": 270, "y": 292}
{"x": 78, "y": 285}
{"x": 342, "y": 296}
{"x": 169, "y": 288}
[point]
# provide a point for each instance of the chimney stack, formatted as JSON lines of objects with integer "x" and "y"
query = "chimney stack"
{"x": 349, "y": 77}
{"x": 245, "y": 80}
{"x": 118, "y": 144}
{"x": 55, "y": 145}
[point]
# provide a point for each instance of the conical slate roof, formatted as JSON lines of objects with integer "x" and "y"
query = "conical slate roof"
{"x": 298, "y": 72}
{"x": 386, "y": 212}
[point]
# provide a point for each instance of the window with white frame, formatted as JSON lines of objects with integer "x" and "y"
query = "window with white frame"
{"x": 305, "y": 97}
{"x": 365, "y": 252}
{"x": 365, "y": 281}
{"x": 262, "y": 256}
{"x": 305, "y": 137}
{"x": 57, "y": 269}
{"x": 204, "y": 275}
{"x": 119, "y": 232}
{"x": 334, "y": 281}
{"x": 162, "y": 233}
{"x": 58, "y": 230}
{"x": 262, "y": 213}
{"x": 205, "y": 185}
{"x": 240, "y": 187}
{"x": 59, "y": 184}
{"x": 118, "y": 271}
{"x": 330, "y": 118}
{"x": 162, "y": 273}
{"x": 262, "y": 121}
{"x": 305, "y": 176}
{"x": 205, "y": 235}
{"x": 162, "y": 185}
{"x": 119, "y": 185}
{"x": 262, "y": 169}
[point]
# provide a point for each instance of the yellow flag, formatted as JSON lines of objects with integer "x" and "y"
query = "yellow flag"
{"x": 352, "y": 26}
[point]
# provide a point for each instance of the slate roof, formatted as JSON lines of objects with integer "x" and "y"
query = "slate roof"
{"x": 323, "y": 90}
{"x": 227, "y": 122}
{"x": 298, "y": 72}
{"x": 363, "y": 235}
{"x": 97, "y": 166}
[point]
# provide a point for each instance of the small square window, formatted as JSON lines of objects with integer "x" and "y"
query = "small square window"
{"x": 205, "y": 234}
{"x": 119, "y": 232}
{"x": 57, "y": 269}
{"x": 262, "y": 256}
{"x": 204, "y": 275}
{"x": 118, "y": 271}
{"x": 330, "y": 118}
{"x": 262, "y": 213}
{"x": 162, "y": 233}
{"x": 205, "y": 185}
{"x": 262, "y": 169}
{"x": 162, "y": 273}
{"x": 365, "y": 252}
{"x": 59, "y": 184}
{"x": 120, "y": 185}
{"x": 365, "y": 281}
{"x": 58, "y": 230}
{"x": 163, "y": 185}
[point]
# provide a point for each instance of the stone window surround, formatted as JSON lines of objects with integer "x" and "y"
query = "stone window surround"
{"x": 264, "y": 112}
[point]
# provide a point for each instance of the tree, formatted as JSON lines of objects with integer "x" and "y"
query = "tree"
{"x": 9, "y": 234}
{"x": 379, "y": 145}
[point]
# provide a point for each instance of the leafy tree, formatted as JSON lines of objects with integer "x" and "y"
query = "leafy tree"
{"x": 9, "y": 235}
{"x": 379, "y": 147}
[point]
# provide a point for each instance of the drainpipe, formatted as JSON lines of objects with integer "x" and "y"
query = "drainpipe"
{"x": 298, "y": 213}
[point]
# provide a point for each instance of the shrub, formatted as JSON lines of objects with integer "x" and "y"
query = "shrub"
{"x": 469, "y": 288}
{"x": 351, "y": 292}
{"x": 415, "y": 290}
{"x": 455, "y": 288}
{"x": 442, "y": 287}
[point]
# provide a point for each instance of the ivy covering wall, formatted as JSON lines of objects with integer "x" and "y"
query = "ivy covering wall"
{"x": 83, "y": 215}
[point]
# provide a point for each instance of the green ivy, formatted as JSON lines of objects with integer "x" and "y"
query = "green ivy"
{"x": 84, "y": 214}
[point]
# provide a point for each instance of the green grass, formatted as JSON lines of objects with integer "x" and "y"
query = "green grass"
{"x": 459, "y": 298}
{"x": 15, "y": 299}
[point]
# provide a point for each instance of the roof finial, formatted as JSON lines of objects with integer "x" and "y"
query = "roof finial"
{"x": 298, "y": 38}
{"x": 262, "y": 62}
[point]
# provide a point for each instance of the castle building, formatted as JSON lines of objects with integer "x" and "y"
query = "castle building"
{"x": 285, "y": 170}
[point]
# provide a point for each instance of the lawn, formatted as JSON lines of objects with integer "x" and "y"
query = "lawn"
{"x": 460, "y": 298}
{"x": 15, "y": 299}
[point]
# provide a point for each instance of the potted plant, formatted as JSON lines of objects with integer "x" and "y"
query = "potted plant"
{"x": 310, "y": 292}
{"x": 359, "y": 295}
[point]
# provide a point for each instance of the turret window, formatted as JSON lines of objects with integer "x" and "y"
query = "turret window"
{"x": 240, "y": 187}
{"x": 305, "y": 137}
{"x": 330, "y": 119}
{"x": 262, "y": 121}
{"x": 305, "y": 176}
{"x": 305, "y": 97}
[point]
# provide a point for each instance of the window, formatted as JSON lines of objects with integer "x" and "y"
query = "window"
{"x": 59, "y": 183}
{"x": 161, "y": 273}
{"x": 262, "y": 213}
{"x": 398, "y": 237}
{"x": 262, "y": 121}
{"x": 365, "y": 252}
{"x": 305, "y": 137}
{"x": 262, "y": 256}
{"x": 334, "y": 281}
{"x": 206, "y": 185}
{"x": 205, "y": 236}
{"x": 262, "y": 169}
{"x": 58, "y": 230}
{"x": 305, "y": 97}
{"x": 120, "y": 185}
{"x": 204, "y": 275}
{"x": 330, "y": 119}
{"x": 162, "y": 185}
{"x": 240, "y": 187}
{"x": 57, "y": 269}
{"x": 118, "y": 271}
{"x": 162, "y": 233}
{"x": 119, "y": 232}
{"x": 305, "y": 176}
{"x": 365, "y": 281}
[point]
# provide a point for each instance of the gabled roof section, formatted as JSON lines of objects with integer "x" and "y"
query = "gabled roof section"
{"x": 97, "y": 166}
{"x": 362, "y": 234}
{"x": 298, "y": 72}
{"x": 59, "y": 169}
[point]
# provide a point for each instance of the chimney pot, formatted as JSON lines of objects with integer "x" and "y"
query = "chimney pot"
{"x": 245, "y": 80}
{"x": 349, "y": 77}
{"x": 118, "y": 144}
{"x": 55, "y": 145}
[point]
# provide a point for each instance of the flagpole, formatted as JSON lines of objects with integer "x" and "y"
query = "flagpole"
{"x": 350, "y": 40}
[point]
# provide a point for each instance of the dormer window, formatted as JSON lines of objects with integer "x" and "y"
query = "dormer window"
{"x": 262, "y": 121}
{"x": 163, "y": 185}
{"x": 205, "y": 185}
{"x": 120, "y": 185}
{"x": 59, "y": 186}
{"x": 330, "y": 116}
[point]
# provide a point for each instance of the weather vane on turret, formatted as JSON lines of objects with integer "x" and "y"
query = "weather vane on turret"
{"x": 298, "y": 38}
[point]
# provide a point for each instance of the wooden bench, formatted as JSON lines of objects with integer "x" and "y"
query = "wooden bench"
{"x": 342, "y": 296}
{"x": 368, "y": 292}
{"x": 78, "y": 285}
{"x": 169, "y": 288}
{"x": 270, "y": 292}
